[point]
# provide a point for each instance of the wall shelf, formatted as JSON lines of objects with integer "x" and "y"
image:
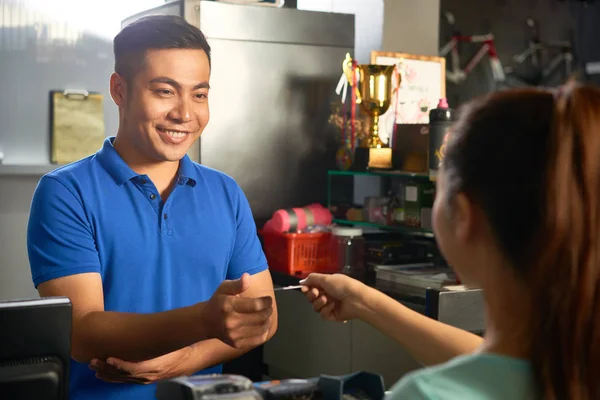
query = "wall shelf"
{"x": 394, "y": 228}
{"x": 392, "y": 173}
{"x": 26, "y": 169}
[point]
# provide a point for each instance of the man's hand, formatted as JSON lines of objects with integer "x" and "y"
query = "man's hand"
{"x": 115, "y": 370}
{"x": 238, "y": 321}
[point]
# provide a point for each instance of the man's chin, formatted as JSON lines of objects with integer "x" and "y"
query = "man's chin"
{"x": 173, "y": 157}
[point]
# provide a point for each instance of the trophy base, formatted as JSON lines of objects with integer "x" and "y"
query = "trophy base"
{"x": 380, "y": 158}
{"x": 368, "y": 158}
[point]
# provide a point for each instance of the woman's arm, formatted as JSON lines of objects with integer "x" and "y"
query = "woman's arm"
{"x": 427, "y": 340}
{"x": 339, "y": 298}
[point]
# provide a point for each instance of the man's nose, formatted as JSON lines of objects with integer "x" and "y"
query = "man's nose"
{"x": 182, "y": 111}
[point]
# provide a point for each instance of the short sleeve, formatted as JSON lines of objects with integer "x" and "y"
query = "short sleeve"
{"x": 410, "y": 387}
{"x": 247, "y": 255}
{"x": 60, "y": 241}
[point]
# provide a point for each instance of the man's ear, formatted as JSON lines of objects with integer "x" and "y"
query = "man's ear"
{"x": 118, "y": 89}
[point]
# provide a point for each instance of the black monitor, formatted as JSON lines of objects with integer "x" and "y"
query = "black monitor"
{"x": 35, "y": 346}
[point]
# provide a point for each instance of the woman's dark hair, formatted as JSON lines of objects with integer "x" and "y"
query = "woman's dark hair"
{"x": 152, "y": 33}
{"x": 531, "y": 159}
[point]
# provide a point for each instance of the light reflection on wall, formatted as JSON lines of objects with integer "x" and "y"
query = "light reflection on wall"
{"x": 21, "y": 25}
{"x": 63, "y": 21}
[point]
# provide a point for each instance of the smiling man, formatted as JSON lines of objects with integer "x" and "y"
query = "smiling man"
{"x": 159, "y": 255}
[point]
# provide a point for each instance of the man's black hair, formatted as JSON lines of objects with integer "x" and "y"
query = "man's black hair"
{"x": 154, "y": 32}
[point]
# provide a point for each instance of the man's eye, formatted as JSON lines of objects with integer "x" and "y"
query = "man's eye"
{"x": 164, "y": 92}
{"x": 201, "y": 96}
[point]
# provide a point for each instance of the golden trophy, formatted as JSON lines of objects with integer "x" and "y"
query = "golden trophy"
{"x": 373, "y": 92}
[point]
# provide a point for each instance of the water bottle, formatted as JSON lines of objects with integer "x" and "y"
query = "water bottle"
{"x": 441, "y": 120}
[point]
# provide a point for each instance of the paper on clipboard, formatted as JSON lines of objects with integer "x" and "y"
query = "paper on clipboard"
{"x": 77, "y": 125}
{"x": 269, "y": 3}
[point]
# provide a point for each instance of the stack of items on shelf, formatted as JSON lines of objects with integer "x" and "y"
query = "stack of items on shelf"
{"x": 407, "y": 265}
{"x": 299, "y": 241}
{"x": 407, "y": 204}
{"x": 414, "y": 279}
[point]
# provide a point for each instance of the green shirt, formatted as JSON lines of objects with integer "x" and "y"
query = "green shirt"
{"x": 477, "y": 376}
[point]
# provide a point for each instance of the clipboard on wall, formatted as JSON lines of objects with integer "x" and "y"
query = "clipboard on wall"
{"x": 77, "y": 125}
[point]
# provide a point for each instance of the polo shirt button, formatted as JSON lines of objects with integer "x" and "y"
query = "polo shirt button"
{"x": 152, "y": 196}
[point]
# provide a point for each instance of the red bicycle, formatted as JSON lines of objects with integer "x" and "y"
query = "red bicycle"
{"x": 455, "y": 73}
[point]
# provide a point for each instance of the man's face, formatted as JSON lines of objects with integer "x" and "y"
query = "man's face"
{"x": 166, "y": 105}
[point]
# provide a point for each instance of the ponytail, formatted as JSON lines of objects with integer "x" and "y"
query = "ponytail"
{"x": 531, "y": 161}
{"x": 565, "y": 281}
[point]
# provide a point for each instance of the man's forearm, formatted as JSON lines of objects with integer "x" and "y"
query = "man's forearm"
{"x": 429, "y": 341}
{"x": 208, "y": 353}
{"x": 136, "y": 337}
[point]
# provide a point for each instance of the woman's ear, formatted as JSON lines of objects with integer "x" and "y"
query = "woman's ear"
{"x": 465, "y": 218}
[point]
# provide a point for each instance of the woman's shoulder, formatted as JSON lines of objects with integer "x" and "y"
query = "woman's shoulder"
{"x": 477, "y": 376}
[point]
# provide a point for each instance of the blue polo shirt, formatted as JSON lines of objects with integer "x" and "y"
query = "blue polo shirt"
{"x": 98, "y": 215}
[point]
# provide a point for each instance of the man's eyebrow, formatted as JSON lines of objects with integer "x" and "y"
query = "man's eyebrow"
{"x": 164, "y": 79}
{"x": 202, "y": 85}
{"x": 175, "y": 84}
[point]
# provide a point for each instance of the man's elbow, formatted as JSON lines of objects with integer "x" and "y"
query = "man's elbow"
{"x": 272, "y": 329}
{"x": 83, "y": 347}
{"x": 80, "y": 352}
{"x": 80, "y": 358}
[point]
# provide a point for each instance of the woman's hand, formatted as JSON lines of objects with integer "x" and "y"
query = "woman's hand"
{"x": 336, "y": 297}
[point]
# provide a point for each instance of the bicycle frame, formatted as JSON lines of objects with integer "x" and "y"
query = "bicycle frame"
{"x": 457, "y": 74}
{"x": 565, "y": 56}
{"x": 532, "y": 55}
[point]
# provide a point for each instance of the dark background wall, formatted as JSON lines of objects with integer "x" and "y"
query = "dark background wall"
{"x": 557, "y": 20}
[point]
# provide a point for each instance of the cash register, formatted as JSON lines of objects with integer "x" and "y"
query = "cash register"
{"x": 357, "y": 386}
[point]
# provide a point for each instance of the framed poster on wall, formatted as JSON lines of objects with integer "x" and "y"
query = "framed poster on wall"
{"x": 422, "y": 84}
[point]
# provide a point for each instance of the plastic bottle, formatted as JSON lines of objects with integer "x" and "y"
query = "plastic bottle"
{"x": 297, "y": 219}
{"x": 441, "y": 120}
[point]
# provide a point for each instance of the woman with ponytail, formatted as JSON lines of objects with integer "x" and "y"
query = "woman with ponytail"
{"x": 517, "y": 213}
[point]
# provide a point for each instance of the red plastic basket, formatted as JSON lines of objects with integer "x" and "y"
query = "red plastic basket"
{"x": 298, "y": 254}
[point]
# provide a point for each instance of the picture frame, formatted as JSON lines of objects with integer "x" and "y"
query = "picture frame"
{"x": 422, "y": 85}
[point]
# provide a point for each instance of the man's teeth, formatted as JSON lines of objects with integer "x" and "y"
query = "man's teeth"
{"x": 175, "y": 134}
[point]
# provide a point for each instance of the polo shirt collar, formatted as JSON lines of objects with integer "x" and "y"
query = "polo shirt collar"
{"x": 121, "y": 172}
{"x": 113, "y": 163}
{"x": 187, "y": 172}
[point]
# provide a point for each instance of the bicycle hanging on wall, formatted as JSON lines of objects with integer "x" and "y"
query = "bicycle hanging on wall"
{"x": 455, "y": 72}
{"x": 541, "y": 63}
